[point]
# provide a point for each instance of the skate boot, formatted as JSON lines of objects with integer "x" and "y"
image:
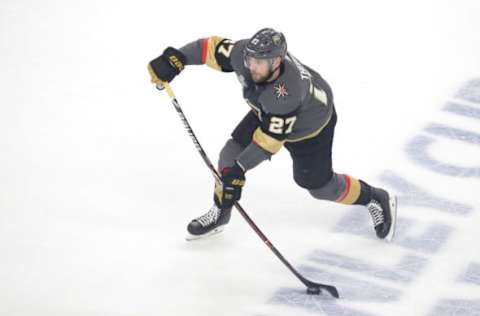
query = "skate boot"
{"x": 383, "y": 209}
{"x": 208, "y": 224}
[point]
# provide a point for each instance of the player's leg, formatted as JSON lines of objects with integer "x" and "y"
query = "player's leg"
{"x": 346, "y": 189}
{"x": 216, "y": 218}
{"x": 312, "y": 167}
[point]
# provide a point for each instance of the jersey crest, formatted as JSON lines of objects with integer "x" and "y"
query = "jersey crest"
{"x": 280, "y": 90}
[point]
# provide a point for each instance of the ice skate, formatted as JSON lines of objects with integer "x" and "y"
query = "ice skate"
{"x": 210, "y": 223}
{"x": 383, "y": 209}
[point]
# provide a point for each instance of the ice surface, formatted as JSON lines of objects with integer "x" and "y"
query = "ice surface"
{"x": 98, "y": 178}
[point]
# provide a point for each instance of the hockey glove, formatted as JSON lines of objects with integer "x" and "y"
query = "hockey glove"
{"x": 166, "y": 66}
{"x": 230, "y": 190}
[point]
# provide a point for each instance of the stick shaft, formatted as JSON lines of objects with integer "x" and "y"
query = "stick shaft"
{"x": 332, "y": 290}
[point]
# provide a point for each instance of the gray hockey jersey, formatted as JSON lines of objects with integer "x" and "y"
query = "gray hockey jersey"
{"x": 294, "y": 107}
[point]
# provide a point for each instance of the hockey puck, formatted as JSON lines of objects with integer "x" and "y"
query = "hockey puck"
{"x": 313, "y": 291}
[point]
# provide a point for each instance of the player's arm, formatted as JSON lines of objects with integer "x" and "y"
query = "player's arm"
{"x": 267, "y": 139}
{"x": 213, "y": 51}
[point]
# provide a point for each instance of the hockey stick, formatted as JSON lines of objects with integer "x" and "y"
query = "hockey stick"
{"x": 312, "y": 287}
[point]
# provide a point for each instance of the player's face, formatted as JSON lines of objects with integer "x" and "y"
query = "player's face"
{"x": 259, "y": 68}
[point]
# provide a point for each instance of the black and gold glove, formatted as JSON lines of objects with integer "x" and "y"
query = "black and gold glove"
{"x": 167, "y": 66}
{"x": 230, "y": 190}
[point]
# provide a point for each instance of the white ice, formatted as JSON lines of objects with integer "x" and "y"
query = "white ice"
{"x": 98, "y": 178}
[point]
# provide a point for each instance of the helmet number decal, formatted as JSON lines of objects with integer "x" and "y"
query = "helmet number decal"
{"x": 278, "y": 124}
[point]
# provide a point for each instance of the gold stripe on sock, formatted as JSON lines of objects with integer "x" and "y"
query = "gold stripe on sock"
{"x": 353, "y": 187}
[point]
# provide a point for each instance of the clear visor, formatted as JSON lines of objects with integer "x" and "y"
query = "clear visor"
{"x": 250, "y": 61}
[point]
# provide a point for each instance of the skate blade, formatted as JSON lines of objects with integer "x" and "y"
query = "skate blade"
{"x": 211, "y": 233}
{"x": 393, "y": 207}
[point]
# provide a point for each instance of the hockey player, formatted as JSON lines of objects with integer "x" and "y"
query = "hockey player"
{"x": 291, "y": 106}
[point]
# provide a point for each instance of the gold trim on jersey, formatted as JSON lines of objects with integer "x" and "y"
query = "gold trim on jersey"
{"x": 266, "y": 141}
{"x": 315, "y": 133}
{"x": 210, "y": 60}
{"x": 255, "y": 109}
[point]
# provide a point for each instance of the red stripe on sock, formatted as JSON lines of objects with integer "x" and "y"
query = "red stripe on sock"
{"x": 204, "y": 50}
{"x": 347, "y": 188}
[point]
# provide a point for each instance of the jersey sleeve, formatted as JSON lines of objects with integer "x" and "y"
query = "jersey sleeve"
{"x": 213, "y": 51}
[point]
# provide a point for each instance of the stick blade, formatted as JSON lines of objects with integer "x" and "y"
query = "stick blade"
{"x": 331, "y": 289}
{"x": 328, "y": 288}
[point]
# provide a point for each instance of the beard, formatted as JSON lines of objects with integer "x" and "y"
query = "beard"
{"x": 258, "y": 77}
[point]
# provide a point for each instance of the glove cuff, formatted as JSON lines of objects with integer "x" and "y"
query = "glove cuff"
{"x": 235, "y": 169}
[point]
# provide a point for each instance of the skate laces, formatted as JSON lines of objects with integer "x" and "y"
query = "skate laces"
{"x": 210, "y": 217}
{"x": 376, "y": 212}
